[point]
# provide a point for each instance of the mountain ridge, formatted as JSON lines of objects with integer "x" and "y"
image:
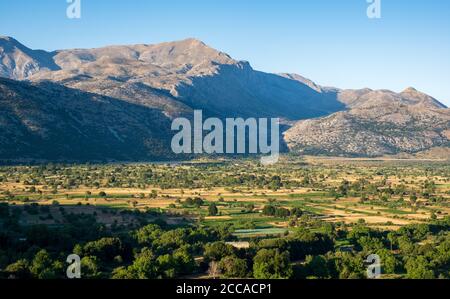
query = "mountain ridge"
{"x": 174, "y": 78}
{"x": 19, "y": 62}
{"x": 47, "y": 121}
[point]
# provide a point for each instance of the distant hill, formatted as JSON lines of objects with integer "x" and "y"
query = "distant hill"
{"x": 138, "y": 89}
{"x": 377, "y": 123}
{"x": 19, "y": 62}
{"x": 46, "y": 121}
{"x": 191, "y": 72}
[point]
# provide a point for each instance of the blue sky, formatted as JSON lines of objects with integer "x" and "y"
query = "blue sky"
{"x": 330, "y": 41}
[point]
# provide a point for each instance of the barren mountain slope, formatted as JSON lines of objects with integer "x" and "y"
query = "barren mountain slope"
{"x": 20, "y": 62}
{"x": 168, "y": 80}
{"x": 49, "y": 121}
{"x": 192, "y": 73}
{"x": 377, "y": 123}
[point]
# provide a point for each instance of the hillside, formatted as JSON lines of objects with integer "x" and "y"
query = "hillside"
{"x": 190, "y": 72}
{"x": 376, "y": 123}
{"x": 20, "y": 62}
{"x": 143, "y": 87}
{"x": 46, "y": 121}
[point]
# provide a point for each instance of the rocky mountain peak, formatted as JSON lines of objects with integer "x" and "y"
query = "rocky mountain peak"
{"x": 167, "y": 80}
{"x": 419, "y": 98}
{"x": 410, "y": 89}
{"x": 19, "y": 62}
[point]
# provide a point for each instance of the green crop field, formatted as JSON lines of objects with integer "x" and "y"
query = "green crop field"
{"x": 184, "y": 217}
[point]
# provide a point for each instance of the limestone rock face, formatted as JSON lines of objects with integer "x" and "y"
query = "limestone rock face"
{"x": 19, "y": 62}
{"x": 154, "y": 84}
{"x": 376, "y": 123}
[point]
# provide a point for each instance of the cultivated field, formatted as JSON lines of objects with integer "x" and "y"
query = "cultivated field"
{"x": 301, "y": 218}
{"x": 385, "y": 194}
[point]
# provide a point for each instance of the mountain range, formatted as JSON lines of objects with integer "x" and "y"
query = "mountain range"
{"x": 117, "y": 103}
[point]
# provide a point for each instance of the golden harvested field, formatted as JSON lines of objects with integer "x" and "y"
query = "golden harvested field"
{"x": 386, "y": 193}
